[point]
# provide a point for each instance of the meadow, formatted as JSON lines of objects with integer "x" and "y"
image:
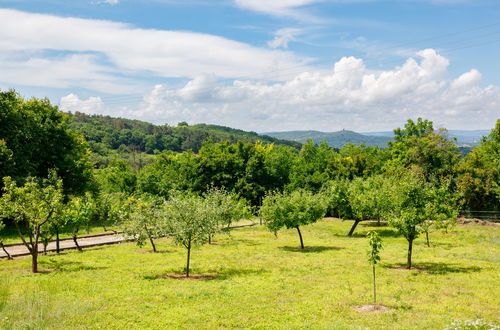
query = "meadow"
{"x": 252, "y": 279}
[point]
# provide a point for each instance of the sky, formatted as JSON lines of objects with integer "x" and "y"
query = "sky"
{"x": 259, "y": 65}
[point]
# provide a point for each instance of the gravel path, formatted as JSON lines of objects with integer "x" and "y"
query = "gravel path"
{"x": 84, "y": 241}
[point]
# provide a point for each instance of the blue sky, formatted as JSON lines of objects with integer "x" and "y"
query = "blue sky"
{"x": 261, "y": 65}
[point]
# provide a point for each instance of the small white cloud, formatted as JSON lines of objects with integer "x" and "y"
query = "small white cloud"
{"x": 72, "y": 103}
{"x": 283, "y": 37}
{"x": 467, "y": 80}
{"x": 112, "y": 2}
{"x": 283, "y": 8}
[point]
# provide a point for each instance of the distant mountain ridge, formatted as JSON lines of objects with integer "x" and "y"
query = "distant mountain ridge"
{"x": 333, "y": 139}
{"x": 340, "y": 138}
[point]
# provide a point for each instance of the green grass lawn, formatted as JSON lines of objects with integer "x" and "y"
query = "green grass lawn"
{"x": 261, "y": 282}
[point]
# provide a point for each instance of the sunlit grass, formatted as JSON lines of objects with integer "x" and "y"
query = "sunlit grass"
{"x": 260, "y": 282}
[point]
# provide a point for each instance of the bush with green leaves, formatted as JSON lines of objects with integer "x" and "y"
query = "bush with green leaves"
{"x": 292, "y": 210}
{"x": 33, "y": 207}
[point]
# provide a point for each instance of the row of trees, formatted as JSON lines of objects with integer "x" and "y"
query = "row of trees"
{"x": 38, "y": 212}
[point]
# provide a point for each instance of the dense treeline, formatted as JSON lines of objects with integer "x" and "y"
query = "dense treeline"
{"x": 416, "y": 184}
{"x": 105, "y": 133}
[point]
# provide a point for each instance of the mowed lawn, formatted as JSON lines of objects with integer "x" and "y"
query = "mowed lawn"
{"x": 261, "y": 281}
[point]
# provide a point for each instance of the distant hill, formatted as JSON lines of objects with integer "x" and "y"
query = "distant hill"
{"x": 463, "y": 137}
{"x": 334, "y": 139}
{"x": 106, "y": 133}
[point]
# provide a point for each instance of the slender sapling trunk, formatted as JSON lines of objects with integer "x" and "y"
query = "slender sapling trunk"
{"x": 427, "y": 238}
{"x": 374, "y": 286}
{"x": 188, "y": 258}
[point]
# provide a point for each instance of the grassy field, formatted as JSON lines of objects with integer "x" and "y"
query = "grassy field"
{"x": 261, "y": 281}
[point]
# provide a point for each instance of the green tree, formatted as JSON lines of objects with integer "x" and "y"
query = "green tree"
{"x": 375, "y": 244}
{"x": 147, "y": 220}
{"x": 293, "y": 210}
{"x": 188, "y": 224}
{"x": 417, "y": 201}
{"x": 33, "y": 207}
{"x": 36, "y": 138}
{"x": 420, "y": 148}
{"x": 78, "y": 213}
{"x": 223, "y": 208}
{"x": 479, "y": 175}
{"x": 310, "y": 168}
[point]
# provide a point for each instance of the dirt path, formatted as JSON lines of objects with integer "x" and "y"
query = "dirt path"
{"x": 84, "y": 241}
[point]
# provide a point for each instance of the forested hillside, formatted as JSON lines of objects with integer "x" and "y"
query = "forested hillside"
{"x": 106, "y": 133}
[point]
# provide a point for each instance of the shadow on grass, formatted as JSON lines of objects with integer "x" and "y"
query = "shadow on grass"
{"x": 209, "y": 275}
{"x": 362, "y": 234}
{"x": 62, "y": 266}
{"x": 438, "y": 268}
{"x": 374, "y": 224}
{"x": 310, "y": 249}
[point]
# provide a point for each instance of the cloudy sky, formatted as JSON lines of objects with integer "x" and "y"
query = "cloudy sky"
{"x": 261, "y": 65}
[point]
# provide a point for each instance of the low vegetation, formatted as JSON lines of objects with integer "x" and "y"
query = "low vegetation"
{"x": 261, "y": 281}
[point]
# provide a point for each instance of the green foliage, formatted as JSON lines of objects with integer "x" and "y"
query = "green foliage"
{"x": 146, "y": 221}
{"x": 78, "y": 212}
{"x": 35, "y": 138}
{"x": 292, "y": 210}
{"x": 336, "y": 194}
{"x": 117, "y": 177}
{"x": 309, "y": 169}
{"x": 479, "y": 175}
{"x": 375, "y": 243}
{"x": 225, "y": 207}
{"x": 416, "y": 201}
{"x": 420, "y": 148}
{"x": 190, "y": 221}
{"x": 356, "y": 161}
{"x": 105, "y": 133}
{"x": 34, "y": 208}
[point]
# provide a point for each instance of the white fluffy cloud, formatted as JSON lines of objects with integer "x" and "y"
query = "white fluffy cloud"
{"x": 350, "y": 96}
{"x": 99, "y": 52}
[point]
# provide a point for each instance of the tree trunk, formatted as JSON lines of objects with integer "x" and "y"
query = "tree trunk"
{"x": 410, "y": 248}
{"x": 9, "y": 257}
{"x": 76, "y": 243}
{"x": 300, "y": 235}
{"x": 45, "y": 249}
{"x": 209, "y": 239}
{"x": 427, "y": 237}
{"x": 153, "y": 244}
{"x": 188, "y": 259}
{"x": 374, "y": 287}
{"x": 58, "y": 250}
{"x": 34, "y": 260}
{"x": 353, "y": 227}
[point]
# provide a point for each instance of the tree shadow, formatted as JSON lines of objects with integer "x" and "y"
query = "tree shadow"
{"x": 436, "y": 268}
{"x": 375, "y": 224}
{"x": 310, "y": 249}
{"x": 209, "y": 275}
{"x": 62, "y": 266}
